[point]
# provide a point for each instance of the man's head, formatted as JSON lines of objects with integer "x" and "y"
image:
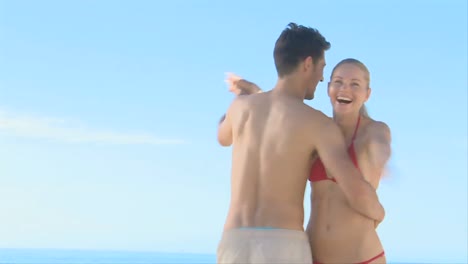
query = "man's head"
{"x": 300, "y": 50}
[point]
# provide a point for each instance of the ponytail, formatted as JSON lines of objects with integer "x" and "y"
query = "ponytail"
{"x": 364, "y": 112}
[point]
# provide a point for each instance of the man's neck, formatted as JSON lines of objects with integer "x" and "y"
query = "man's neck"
{"x": 290, "y": 86}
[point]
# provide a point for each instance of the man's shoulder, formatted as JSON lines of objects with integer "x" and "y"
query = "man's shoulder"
{"x": 312, "y": 121}
{"x": 248, "y": 98}
{"x": 314, "y": 115}
{"x": 239, "y": 101}
{"x": 251, "y": 101}
{"x": 244, "y": 103}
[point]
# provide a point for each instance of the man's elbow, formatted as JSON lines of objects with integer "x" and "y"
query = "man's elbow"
{"x": 366, "y": 200}
{"x": 358, "y": 199}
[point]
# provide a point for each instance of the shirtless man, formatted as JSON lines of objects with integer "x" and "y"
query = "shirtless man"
{"x": 274, "y": 136}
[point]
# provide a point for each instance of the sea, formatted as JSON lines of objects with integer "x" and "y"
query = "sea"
{"x": 61, "y": 256}
{"x": 66, "y": 256}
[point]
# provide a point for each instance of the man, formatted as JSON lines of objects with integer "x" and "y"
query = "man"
{"x": 274, "y": 136}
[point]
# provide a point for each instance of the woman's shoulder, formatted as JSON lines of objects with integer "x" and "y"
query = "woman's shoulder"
{"x": 378, "y": 126}
{"x": 375, "y": 131}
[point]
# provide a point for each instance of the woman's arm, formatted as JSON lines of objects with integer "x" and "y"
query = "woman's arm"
{"x": 378, "y": 151}
{"x": 240, "y": 86}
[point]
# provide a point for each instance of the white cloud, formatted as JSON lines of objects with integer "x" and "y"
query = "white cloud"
{"x": 61, "y": 130}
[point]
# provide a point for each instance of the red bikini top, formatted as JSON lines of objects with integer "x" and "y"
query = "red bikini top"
{"x": 318, "y": 172}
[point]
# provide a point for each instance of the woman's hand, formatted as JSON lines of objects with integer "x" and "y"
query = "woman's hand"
{"x": 240, "y": 86}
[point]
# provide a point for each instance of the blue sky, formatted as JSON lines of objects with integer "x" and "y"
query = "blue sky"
{"x": 109, "y": 110}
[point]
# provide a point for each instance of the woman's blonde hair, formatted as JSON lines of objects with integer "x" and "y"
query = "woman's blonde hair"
{"x": 363, "y": 67}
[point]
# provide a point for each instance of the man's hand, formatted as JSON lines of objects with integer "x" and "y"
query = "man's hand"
{"x": 239, "y": 86}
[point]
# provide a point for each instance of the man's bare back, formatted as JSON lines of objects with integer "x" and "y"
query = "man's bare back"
{"x": 271, "y": 161}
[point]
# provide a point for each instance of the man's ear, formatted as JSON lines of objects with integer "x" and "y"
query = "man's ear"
{"x": 308, "y": 63}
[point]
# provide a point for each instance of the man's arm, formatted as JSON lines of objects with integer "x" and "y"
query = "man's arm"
{"x": 331, "y": 148}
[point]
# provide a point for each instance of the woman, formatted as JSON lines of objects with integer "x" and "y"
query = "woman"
{"x": 337, "y": 233}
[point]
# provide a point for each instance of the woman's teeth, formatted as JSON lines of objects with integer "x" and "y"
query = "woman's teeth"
{"x": 343, "y": 100}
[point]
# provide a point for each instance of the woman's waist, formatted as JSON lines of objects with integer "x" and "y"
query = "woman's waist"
{"x": 338, "y": 243}
{"x": 334, "y": 224}
{"x": 334, "y": 233}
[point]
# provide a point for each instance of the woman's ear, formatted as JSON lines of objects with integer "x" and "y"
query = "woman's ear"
{"x": 369, "y": 91}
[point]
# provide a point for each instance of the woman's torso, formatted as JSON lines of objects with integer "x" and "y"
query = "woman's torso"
{"x": 337, "y": 232}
